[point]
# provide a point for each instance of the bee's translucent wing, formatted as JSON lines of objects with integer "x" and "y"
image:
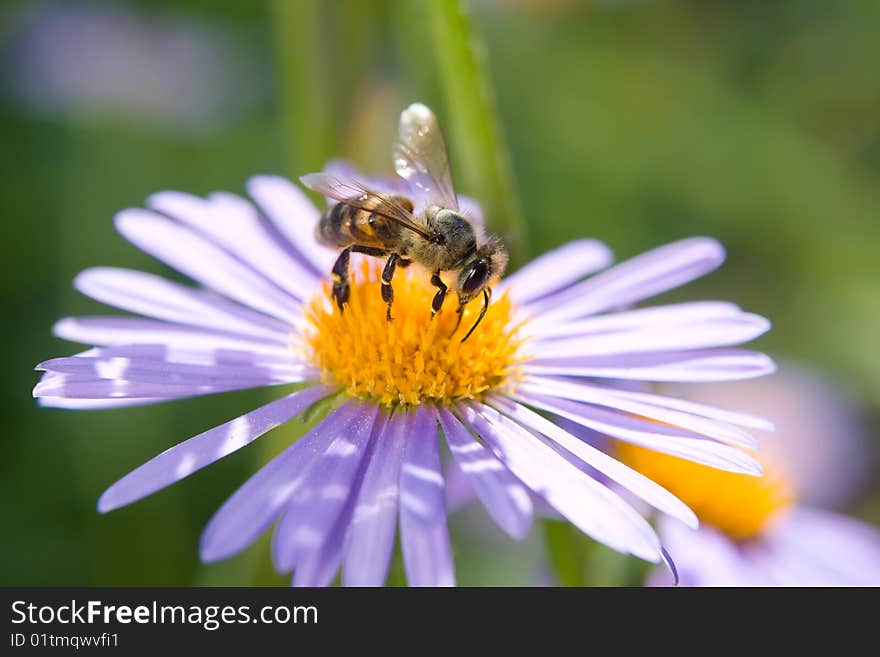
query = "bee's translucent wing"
{"x": 354, "y": 193}
{"x": 339, "y": 187}
{"x": 420, "y": 156}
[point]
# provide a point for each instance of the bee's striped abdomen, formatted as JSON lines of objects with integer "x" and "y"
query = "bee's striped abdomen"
{"x": 344, "y": 224}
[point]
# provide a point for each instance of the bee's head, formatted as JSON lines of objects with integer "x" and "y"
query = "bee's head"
{"x": 487, "y": 263}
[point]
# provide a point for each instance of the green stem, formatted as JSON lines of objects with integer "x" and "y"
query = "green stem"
{"x": 479, "y": 148}
{"x": 307, "y": 115}
{"x": 577, "y": 560}
{"x": 564, "y": 552}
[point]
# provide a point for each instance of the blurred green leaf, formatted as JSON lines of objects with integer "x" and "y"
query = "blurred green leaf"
{"x": 479, "y": 148}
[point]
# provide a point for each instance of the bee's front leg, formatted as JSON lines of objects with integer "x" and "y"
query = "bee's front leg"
{"x": 437, "y": 303}
{"x": 387, "y": 290}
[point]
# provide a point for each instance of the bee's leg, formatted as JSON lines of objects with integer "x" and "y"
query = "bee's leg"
{"x": 368, "y": 250}
{"x": 437, "y": 303}
{"x": 387, "y": 290}
{"x": 378, "y": 253}
{"x": 340, "y": 278}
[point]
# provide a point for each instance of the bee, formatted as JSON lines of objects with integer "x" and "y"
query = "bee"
{"x": 439, "y": 237}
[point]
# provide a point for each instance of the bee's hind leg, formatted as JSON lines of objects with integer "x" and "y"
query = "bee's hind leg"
{"x": 340, "y": 278}
{"x": 340, "y": 274}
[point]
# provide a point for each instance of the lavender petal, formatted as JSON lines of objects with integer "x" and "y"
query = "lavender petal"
{"x": 187, "y": 457}
{"x": 318, "y": 568}
{"x": 705, "y": 557}
{"x": 370, "y": 539}
{"x": 51, "y": 401}
{"x": 557, "y": 269}
{"x": 97, "y": 404}
{"x": 233, "y": 223}
{"x": 117, "y": 330}
{"x": 638, "y": 278}
{"x": 594, "y": 509}
{"x": 682, "y": 366}
{"x": 675, "y": 314}
{"x": 635, "y": 482}
{"x": 294, "y": 216}
{"x": 314, "y": 507}
{"x": 607, "y": 398}
{"x": 134, "y": 370}
{"x": 723, "y": 332}
{"x": 73, "y": 387}
{"x": 837, "y": 550}
{"x": 289, "y": 362}
{"x": 424, "y": 537}
{"x": 253, "y": 507}
{"x": 687, "y": 406}
{"x": 459, "y": 489}
{"x": 154, "y": 296}
{"x": 670, "y": 565}
{"x": 197, "y": 257}
{"x": 503, "y": 496}
{"x": 658, "y": 437}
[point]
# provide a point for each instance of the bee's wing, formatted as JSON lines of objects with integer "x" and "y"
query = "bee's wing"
{"x": 420, "y": 156}
{"x": 357, "y": 195}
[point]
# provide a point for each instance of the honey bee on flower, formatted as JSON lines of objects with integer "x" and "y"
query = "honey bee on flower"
{"x": 558, "y": 343}
{"x": 440, "y": 237}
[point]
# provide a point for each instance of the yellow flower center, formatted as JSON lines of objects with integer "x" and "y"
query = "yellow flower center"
{"x": 739, "y": 505}
{"x": 412, "y": 358}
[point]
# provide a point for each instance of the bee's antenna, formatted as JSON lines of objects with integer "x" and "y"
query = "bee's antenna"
{"x": 460, "y": 312}
{"x": 487, "y": 294}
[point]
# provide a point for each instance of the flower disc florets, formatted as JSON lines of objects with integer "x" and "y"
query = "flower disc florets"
{"x": 413, "y": 358}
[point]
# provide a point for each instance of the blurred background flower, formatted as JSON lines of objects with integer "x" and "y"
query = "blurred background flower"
{"x": 118, "y": 62}
{"x": 636, "y": 123}
{"x": 779, "y": 530}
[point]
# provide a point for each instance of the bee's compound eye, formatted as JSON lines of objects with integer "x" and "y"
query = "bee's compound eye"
{"x": 475, "y": 277}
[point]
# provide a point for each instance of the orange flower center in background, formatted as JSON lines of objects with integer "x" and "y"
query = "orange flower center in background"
{"x": 740, "y": 505}
{"x": 413, "y": 358}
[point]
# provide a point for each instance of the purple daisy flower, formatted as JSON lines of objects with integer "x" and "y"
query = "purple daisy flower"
{"x": 774, "y": 531}
{"x": 552, "y": 341}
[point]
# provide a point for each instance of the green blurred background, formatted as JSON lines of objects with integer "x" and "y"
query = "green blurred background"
{"x": 635, "y": 122}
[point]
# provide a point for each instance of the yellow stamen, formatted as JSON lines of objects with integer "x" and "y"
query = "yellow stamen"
{"x": 739, "y": 505}
{"x": 413, "y": 358}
